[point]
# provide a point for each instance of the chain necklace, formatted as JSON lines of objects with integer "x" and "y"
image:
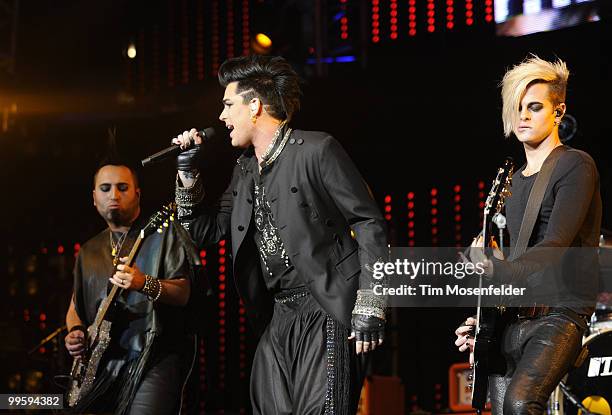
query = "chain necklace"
{"x": 267, "y": 154}
{"x": 116, "y": 247}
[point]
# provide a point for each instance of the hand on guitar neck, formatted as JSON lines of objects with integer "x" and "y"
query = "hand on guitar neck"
{"x": 477, "y": 255}
{"x": 465, "y": 337}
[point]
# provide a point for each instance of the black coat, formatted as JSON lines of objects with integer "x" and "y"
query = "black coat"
{"x": 317, "y": 197}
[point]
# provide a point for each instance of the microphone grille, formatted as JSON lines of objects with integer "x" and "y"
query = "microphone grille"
{"x": 207, "y": 133}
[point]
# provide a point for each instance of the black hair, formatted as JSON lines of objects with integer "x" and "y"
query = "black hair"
{"x": 113, "y": 158}
{"x": 271, "y": 79}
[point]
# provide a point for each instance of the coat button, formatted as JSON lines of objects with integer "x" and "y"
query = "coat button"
{"x": 249, "y": 201}
{"x": 235, "y": 193}
{"x": 240, "y": 228}
{"x": 329, "y": 222}
{"x": 300, "y": 141}
{"x": 294, "y": 189}
{"x": 292, "y": 141}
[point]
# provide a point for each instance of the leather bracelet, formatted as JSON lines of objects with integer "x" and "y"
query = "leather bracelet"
{"x": 152, "y": 288}
{"x": 78, "y": 327}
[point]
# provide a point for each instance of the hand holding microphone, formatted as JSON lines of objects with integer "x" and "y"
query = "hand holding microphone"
{"x": 190, "y": 142}
{"x": 181, "y": 145}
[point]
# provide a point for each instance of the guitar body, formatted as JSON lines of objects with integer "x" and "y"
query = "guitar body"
{"x": 490, "y": 319}
{"x": 487, "y": 354}
{"x": 84, "y": 369}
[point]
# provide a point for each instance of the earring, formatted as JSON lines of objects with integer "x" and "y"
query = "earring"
{"x": 253, "y": 118}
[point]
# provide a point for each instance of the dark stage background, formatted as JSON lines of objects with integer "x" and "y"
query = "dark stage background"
{"x": 419, "y": 112}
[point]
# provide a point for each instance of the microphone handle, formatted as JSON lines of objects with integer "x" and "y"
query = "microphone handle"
{"x": 173, "y": 150}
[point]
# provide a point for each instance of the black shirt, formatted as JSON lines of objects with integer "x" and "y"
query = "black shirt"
{"x": 279, "y": 273}
{"x": 565, "y": 236}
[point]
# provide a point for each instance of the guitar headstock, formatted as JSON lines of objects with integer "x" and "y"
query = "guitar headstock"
{"x": 500, "y": 189}
{"x": 160, "y": 220}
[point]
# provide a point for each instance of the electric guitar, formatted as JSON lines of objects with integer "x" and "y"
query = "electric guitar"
{"x": 84, "y": 367}
{"x": 488, "y": 327}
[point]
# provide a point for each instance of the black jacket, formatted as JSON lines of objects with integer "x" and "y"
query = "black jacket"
{"x": 317, "y": 198}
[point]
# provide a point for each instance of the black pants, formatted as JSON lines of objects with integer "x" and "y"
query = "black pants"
{"x": 304, "y": 365}
{"x": 538, "y": 352}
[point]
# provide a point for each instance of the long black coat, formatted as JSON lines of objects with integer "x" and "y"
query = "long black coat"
{"x": 317, "y": 196}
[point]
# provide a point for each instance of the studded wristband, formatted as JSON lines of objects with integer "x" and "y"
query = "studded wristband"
{"x": 369, "y": 304}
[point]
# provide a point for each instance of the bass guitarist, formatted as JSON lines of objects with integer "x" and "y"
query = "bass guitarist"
{"x": 543, "y": 340}
{"x": 142, "y": 370}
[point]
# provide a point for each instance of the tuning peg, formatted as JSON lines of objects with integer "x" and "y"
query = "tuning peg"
{"x": 470, "y": 386}
{"x": 470, "y": 377}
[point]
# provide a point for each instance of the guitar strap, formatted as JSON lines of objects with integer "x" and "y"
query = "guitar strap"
{"x": 535, "y": 201}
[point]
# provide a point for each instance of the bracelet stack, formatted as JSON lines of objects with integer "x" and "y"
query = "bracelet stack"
{"x": 152, "y": 288}
{"x": 369, "y": 304}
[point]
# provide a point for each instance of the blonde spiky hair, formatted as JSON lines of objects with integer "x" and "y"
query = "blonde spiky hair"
{"x": 520, "y": 77}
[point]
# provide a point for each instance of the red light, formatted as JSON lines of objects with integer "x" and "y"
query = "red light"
{"x": 410, "y": 205}
{"x": 457, "y": 198}
{"x": 411, "y": 215}
{"x": 222, "y": 286}
{"x": 222, "y": 251}
{"x": 434, "y": 221}
{"x": 222, "y": 242}
{"x": 388, "y": 208}
{"x": 43, "y": 317}
{"x": 42, "y": 350}
{"x": 222, "y": 260}
{"x": 387, "y": 199}
{"x": 388, "y": 217}
{"x": 481, "y": 185}
{"x": 434, "y": 212}
{"x": 221, "y": 269}
{"x": 411, "y": 9}
{"x": 457, "y": 188}
{"x": 410, "y": 195}
{"x": 344, "y": 36}
{"x": 411, "y": 234}
{"x": 469, "y": 22}
{"x": 202, "y": 253}
{"x": 411, "y": 224}
{"x": 433, "y": 192}
{"x": 457, "y": 218}
{"x": 458, "y": 208}
{"x": 434, "y": 231}
{"x": 221, "y": 296}
{"x": 410, "y": 243}
{"x": 60, "y": 249}
{"x": 488, "y": 18}
{"x": 393, "y": 13}
{"x": 77, "y": 247}
{"x": 434, "y": 201}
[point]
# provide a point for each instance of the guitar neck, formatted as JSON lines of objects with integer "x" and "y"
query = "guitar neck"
{"x": 110, "y": 298}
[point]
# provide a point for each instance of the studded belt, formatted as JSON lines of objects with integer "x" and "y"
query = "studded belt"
{"x": 287, "y": 296}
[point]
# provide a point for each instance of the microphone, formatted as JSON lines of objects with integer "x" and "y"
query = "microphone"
{"x": 174, "y": 150}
